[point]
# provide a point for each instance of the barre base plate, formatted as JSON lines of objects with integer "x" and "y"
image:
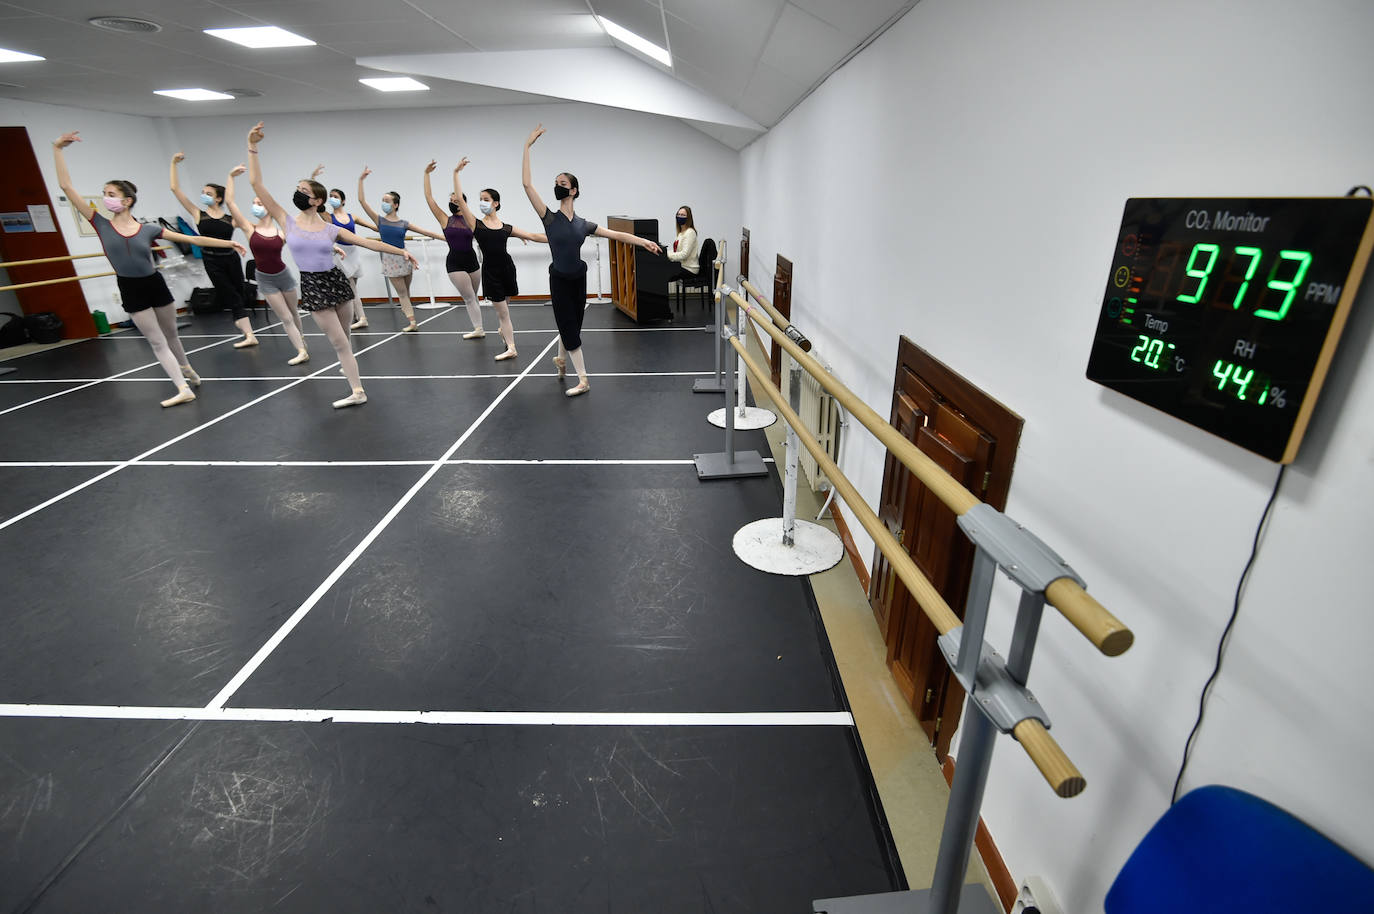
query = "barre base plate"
{"x": 720, "y": 466}
{"x": 973, "y": 899}
{"x": 814, "y": 549}
{"x": 747, "y": 419}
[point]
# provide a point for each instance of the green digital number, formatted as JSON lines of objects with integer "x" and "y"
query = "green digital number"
{"x": 1200, "y": 275}
{"x": 1136, "y": 353}
{"x": 1287, "y": 286}
{"x": 1243, "y": 383}
{"x": 1254, "y": 254}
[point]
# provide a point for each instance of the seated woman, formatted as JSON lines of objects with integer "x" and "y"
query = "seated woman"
{"x": 685, "y": 247}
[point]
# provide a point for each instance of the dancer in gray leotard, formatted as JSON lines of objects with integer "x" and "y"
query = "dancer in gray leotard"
{"x": 128, "y": 244}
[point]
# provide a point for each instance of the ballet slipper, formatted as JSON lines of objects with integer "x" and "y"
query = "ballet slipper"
{"x": 475, "y": 335}
{"x": 357, "y": 398}
{"x": 508, "y": 354}
{"x": 189, "y": 374}
{"x": 301, "y": 358}
{"x": 577, "y": 391}
{"x": 562, "y": 365}
{"x": 183, "y": 396}
{"x": 411, "y": 328}
{"x": 246, "y": 342}
{"x": 359, "y": 324}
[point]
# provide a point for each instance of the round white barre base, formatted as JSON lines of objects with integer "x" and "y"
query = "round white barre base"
{"x": 815, "y": 548}
{"x": 747, "y": 419}
{"x": 431, "y": 306}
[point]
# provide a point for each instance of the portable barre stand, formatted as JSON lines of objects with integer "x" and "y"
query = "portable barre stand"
{"x": 998, "y": 701}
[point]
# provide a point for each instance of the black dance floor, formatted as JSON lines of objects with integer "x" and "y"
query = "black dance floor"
{"x": 471, "y": 647}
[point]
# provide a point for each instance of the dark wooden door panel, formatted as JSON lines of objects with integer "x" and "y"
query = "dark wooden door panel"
{"x": 974, "y": 439}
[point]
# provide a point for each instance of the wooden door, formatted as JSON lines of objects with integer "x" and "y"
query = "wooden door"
{"x": 22, "y": 188}
{"x": 974, "y": 439}
{"x": 744, "y": 254}
{"x": 782, "y": 300}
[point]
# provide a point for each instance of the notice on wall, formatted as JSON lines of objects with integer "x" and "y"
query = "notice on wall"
{"x": 42, "y": 218}
{"x": 16, "y": 222}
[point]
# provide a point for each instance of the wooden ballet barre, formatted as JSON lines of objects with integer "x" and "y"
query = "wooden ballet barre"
{"x": 1056, "y": 767}
{"x": 779, "y": 321}
{"x": 1108, "y": 633}
{"x": 27, "y": 263}
{"x": 51, "y": 282}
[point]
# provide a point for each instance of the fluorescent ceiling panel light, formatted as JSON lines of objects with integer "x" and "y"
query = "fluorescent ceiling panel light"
{"x": 642, "y": 45}
{"x": 8, "y": 56}
{"x": 192, "y": 95}
{"x": 394, "y": 84}
{"x": 267, "y": 36}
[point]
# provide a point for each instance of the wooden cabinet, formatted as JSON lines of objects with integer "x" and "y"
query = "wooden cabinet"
{"x": 639, "y": 279}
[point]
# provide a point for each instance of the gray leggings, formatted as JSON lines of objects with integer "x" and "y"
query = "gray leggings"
{"x": 159, "y": 327}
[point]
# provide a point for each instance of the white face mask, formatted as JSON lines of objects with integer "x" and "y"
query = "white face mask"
{"x": 335, "y": 203}
{"x": 485, "y": 207}
{"x": 259, "y": 211}
{"x": 386, "y": 208}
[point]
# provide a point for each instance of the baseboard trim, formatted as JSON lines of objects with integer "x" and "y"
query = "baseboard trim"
{"x": 987, "y": 848}
{"x": 850, "y": 549}
{"x": 455, "y": 299}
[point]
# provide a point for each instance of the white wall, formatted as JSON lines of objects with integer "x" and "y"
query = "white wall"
{"x": 961, "y": 182}
{"x": 627, "y": 163}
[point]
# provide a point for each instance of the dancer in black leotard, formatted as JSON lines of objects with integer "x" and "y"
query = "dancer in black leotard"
{"x": 568, "y": 272}
{"x": 498, "y": 270}
{"x": 128, "y": 245}
{"x": 461, "y": 265}
{"x": 223, "y": 267}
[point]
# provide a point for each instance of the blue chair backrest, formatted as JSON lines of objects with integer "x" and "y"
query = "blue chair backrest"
{"x": 1219, "y": 850}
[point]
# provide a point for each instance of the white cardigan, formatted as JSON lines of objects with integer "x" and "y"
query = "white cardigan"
{"x": 686, "y": 250}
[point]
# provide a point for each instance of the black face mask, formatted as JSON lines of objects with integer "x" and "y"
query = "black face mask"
{"x": 302, "y": 200}
{"x": 559, "y": 191}
{"x": 681, "y": 220}
{"x": 453, "y": 208}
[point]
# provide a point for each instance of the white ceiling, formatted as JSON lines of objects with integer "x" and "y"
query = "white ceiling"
{"x": 757, "y": 57}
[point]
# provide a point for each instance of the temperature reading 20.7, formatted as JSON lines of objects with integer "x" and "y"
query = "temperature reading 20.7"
{"x": 1285, "y": 276}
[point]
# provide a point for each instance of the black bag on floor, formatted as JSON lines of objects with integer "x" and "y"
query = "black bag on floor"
{"x": 204, "y": 301}
{"x": 44, "y": 327}
{"x": 12, "y": 330}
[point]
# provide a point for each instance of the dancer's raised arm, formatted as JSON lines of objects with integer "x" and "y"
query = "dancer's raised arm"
{"x": 535, "y": 200}
{"x": 240, "y": 220}
{"x": 256, "y": 136}
{"x": 176, "y": 188}
{"x": 362, "y": 197}
{"x": 463, "y": 207}
{"x": 64, "y": 178}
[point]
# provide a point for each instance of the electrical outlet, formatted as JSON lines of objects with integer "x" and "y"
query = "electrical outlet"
{"x": 117, "y": 298}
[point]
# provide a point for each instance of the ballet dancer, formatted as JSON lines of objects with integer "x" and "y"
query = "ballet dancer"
{"x": 128, "y": 245}
{"x": 275, "y": 280}
{"x": 568, "y": 271}
{"x": 325, "y": 291}
{"x": 346, "y": 255}
{"x": 224, "y": 269}
{"x": 498, "y": 269}
{"x": 461, "y": 265}
{"x": 393, "y": 230}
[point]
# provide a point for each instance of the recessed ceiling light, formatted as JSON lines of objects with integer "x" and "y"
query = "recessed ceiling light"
{"x": 8, "y": 56}
{"x": 394, "y": 84}
{"x": 642, "y": 45}
{"x": 192, "y": 95}
{"x": 267, "y": 36}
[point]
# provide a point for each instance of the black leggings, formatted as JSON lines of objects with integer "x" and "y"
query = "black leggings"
{"x": 569, "y": 295}
{"x": 226, "y": 275}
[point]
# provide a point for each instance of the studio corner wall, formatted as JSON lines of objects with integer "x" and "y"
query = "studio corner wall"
{"x": 961, "y": 182}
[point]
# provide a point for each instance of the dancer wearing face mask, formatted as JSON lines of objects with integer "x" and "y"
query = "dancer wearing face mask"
{"x": 461, "y": 265}
{"x": 128, "y": 244}
{"x": 393, "y": 230}
{"x": 568, "y": 272}
{"x": 498, "y": 270}
{"x": 223, "y": 267}
{"x": 325, "y": 291}
{"x": 346, "y": 255}
{"x": 275, "y": 280}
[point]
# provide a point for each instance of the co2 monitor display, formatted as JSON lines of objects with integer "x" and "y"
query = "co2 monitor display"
{"x": 1225, "y": 313}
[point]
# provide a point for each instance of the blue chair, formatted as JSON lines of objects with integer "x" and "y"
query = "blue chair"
{"x": 1219, "y": 850}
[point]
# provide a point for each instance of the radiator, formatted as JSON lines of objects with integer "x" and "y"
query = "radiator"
{"x": 821, "y": 416}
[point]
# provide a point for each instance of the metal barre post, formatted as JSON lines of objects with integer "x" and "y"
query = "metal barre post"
{"x": 789, "y": 485}
{"x": 729, "y": 465}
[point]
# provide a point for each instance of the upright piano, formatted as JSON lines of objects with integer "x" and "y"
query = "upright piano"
{"x": 639, "y": 279}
